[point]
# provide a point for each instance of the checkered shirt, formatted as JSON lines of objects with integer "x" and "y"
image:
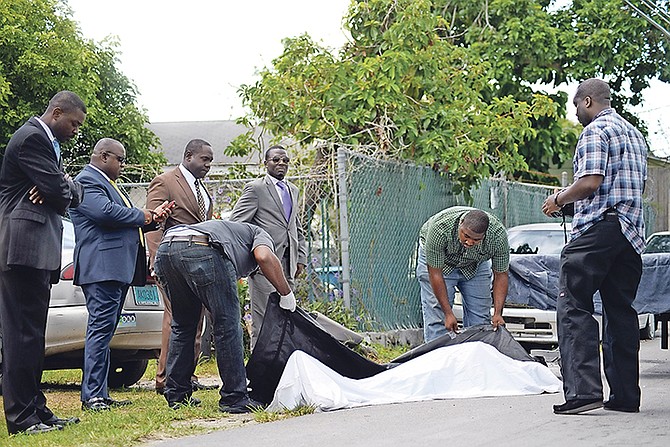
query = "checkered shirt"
{"x": 439, "y": 239}
{"x": 610, "y": 146}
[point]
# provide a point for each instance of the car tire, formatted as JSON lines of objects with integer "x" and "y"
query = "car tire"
{"x": 647, "y": 332}
{"x": 126, "y": 373}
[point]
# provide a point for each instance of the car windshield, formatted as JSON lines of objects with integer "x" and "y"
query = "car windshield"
{"x": 543, "y": 242}
{"x": 659, "y": 243}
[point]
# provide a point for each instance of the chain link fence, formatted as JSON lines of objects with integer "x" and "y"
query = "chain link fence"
{"x": 363, "y": 254}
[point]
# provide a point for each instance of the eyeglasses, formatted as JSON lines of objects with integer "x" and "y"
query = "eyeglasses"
{"x": 121, "y": 159}
{"x": 283, "y": 159}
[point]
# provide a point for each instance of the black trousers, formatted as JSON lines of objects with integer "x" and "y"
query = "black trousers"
{"x": 24, "y": 303}
{"x": 602, "y": 260}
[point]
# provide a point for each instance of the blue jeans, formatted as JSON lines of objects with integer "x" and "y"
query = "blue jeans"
{"x": 476, "y": 294}
{"x": 195, "y": 275}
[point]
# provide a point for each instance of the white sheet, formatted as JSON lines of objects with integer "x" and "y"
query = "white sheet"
{"x": 473, "y": 369}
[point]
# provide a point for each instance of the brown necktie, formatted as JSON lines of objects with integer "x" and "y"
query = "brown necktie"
{"x": 201, "y": 201}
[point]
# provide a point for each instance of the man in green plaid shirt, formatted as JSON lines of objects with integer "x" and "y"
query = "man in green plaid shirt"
{"x": 462, "y": 247}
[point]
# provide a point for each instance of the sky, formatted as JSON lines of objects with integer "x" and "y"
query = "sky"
{"x": 188, "y": 59}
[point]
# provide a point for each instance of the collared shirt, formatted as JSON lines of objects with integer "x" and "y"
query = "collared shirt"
{"x": 190, "y": 178}
{"x": 280, "y": 193}
{"x": 610, "y": 146}
{"x": 236, "y": 240}
{"x": 439, "y": 239}
{"x": 47, "y": 129}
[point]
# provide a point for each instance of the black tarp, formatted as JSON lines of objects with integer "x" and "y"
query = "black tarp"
{"x": 284, "y": 332}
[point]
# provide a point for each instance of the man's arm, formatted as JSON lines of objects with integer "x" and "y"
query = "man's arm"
{"x": 246, "y": 206}
{"x": 440, "y": 290}
{"x": 580, "y": 189}
{"x": 271, "y": 268}
{"x": 500, "y": 283}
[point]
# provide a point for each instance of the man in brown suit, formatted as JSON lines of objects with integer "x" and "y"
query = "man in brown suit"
{"x": 193, "y": 204}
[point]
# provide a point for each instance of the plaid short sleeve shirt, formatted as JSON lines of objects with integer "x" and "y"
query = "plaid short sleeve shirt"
{"x": 439, "y": 239}
{"x": 610, "y": 146}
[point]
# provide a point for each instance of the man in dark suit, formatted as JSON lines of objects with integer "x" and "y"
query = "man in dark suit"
{"x": 30, "y": 254}
{"x": 272, "y": 204}
{"x": 193, "y": 204}
{"x": 109, "y": 256}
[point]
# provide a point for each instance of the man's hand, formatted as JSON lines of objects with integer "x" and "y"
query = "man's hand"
{"x": 288, "y": 302}
{"x": 35, "y": 196}
{"x": 162, "y": 211}
{"x": 451, "y": 323}
{"x": 497, "y": 321}
{"x": 299, "y": 269}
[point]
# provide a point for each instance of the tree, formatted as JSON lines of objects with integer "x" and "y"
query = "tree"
{"x": 42, "y": 51}
{"x": 456, "y": 84}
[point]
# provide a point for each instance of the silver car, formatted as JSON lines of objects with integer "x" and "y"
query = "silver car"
{"x": 137, "y": 337}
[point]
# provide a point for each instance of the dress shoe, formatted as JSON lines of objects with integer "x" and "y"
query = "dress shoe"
{"x": 116, "y": 403}
{"x": 95, "y": 404}
{"x": 613, "y": 406}
{"x": 242, "y": 406}
{"x": 41, "y": 428}
{"x": 577, "y": 406}
{"x": 197, "y": 386}
{"x": 189, "y": 401}
{"x": 55, "y": 420}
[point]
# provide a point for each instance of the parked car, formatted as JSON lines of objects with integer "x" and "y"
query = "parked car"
{"x": 137, "y": 337}
{"x": 536, "y": 326}
{"x": 658, "y": 243}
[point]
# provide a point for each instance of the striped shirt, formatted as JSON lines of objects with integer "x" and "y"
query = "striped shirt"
{"x": 439, "y": 239}
{"x": 610, "y": 146}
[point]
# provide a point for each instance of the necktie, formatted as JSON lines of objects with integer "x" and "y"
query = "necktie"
{"x": 285, "y": 199}
{"x": 129, "y": 205}
{"x": 56, "y": 146}
{"x": 201, "y": 201}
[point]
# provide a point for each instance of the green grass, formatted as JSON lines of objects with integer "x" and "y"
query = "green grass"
{"x": 149, "y": 418}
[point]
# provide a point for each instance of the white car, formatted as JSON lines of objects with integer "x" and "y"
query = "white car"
{"x": 137, "y": 337}
{"x": 531, "y": 325}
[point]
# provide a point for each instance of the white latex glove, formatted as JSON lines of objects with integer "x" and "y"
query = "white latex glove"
{"x": 287, "y": 302}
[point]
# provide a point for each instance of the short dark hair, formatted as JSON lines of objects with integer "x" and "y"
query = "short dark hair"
{"x": 195, "y": 145}
{"x": 597, "y": 89}
{"x": 67, "y": 101}
{"x": 476, "y": 221}
{"x": 271, "y": 148}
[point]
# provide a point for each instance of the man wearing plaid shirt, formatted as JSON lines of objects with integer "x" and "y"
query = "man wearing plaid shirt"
{"x": 610, "y": 166}
{"x": 461, "y": 247}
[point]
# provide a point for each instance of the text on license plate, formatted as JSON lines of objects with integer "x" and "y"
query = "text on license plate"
{"x": 146, "y": 295}
{"x": 127, "y": 320}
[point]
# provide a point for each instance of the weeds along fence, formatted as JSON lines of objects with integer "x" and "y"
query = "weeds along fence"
{"x": 362, "y": 217}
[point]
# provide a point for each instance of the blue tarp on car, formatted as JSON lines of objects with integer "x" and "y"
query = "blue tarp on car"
{"x": 533, "y": 281}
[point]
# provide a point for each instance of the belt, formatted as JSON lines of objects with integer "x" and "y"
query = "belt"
{"x": 193, "y": 239}
{"x": 611, "y": 215}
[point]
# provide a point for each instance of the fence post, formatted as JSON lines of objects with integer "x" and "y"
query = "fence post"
{"x": 345, "y": 278}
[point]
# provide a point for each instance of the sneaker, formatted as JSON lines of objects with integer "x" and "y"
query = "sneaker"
{"x": 613, "y": 406}
{"x": 577, "y": 406}
{"x": 189, "y": 401}
{"x": 242, "y": 406}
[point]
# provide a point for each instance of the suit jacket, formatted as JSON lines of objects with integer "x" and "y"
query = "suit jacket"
{"x": 108, "y": 244}
{"x": 30, "y": 234}
{"x": 260, "y": 205}
{"x": 170, "y": 186}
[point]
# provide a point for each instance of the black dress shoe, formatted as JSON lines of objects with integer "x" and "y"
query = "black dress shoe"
{"x": 613, "y": 406}
{"x": 242, "y": 406}
{"x": 189, "y": 401}
{"x": 95, "y": 404}
{"x": 577, "y": 406}
{"x": 197, "y": 386}
{"x": 117, "y": 403}
{"x": 41, "y": 428}
{"x": 55, "y": 420}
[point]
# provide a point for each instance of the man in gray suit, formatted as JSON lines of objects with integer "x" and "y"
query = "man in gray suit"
{"x": 272, "y": 204}
{"x": 34, "y": 194}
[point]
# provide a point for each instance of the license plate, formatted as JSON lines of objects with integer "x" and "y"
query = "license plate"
{"x": 146, "y": 296}
{"x": 127, "y": 320}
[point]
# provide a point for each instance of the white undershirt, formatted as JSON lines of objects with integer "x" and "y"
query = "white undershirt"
{"x": 190, "y": 178}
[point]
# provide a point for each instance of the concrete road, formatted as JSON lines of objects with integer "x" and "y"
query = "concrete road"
{"x": 500, "y": 421}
